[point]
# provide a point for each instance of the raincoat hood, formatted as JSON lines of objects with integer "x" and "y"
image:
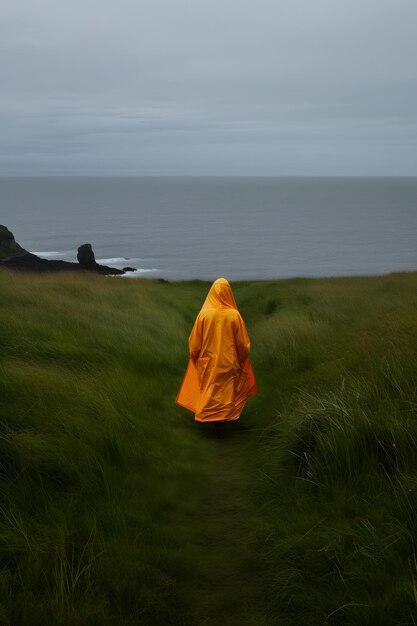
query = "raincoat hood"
{"x": 220, "y": 296}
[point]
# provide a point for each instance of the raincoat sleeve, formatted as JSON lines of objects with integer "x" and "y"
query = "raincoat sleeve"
{"x": 241, "y": 338}
{"x": 195, "y": 339}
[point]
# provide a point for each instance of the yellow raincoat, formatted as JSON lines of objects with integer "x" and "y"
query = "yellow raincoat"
{"x": 219, "y": 376}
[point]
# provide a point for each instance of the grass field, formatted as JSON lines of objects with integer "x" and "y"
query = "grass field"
{"x": 116, "y": 508}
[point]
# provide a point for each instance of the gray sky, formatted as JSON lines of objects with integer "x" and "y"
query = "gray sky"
{"x": 216, "y": 87}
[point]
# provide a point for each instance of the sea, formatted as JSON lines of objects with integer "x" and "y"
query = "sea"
{"x": 204, "y": 227}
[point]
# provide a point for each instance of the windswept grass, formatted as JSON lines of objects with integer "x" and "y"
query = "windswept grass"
{"x": 117, "y": 508}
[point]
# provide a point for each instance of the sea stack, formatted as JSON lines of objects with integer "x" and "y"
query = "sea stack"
{"x": 85, "y": 256}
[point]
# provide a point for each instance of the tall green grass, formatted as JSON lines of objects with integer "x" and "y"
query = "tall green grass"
{"x": 339, "y": 464}
{"x": 117, "y": 508}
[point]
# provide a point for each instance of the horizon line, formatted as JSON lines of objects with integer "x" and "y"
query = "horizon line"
{"x": 208, "y": 176}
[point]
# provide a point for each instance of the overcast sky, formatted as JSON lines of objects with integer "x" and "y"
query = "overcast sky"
{"x": 208, "y": 87}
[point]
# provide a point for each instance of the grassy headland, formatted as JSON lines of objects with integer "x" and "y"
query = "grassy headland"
{"x": 117, "y": 508}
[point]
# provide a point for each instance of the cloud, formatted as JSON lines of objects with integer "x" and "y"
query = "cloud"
{"x": 208, "y": 87}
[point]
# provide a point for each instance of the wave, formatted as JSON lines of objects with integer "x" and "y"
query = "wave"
{"x": 54, "y": 254}
{"x": 119, "y": 260}
{"x": 141, "y": 270}
{"x": 136, "y": 274}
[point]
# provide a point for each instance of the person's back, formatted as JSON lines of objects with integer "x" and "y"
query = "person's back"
{"x": 219, "y": 376}
{"x": 218, "y": 334}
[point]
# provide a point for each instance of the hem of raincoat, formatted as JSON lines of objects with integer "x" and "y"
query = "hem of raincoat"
{"x": 253, "y": 392}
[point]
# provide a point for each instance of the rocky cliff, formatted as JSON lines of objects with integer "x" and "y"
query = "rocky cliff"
{"x": 14, "y": 257}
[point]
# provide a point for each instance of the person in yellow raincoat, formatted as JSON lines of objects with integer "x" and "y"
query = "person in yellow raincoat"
{"x": 219, "y": 377}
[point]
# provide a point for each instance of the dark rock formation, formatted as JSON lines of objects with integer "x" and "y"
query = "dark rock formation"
{"x": 31, "y": 263}
{"x": 85, "y": 256}
{"x": 13, "y": 256}
{"x": 8, "y": 246}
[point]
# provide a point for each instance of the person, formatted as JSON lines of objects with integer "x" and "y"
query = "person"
{"x": 219, "y": 377}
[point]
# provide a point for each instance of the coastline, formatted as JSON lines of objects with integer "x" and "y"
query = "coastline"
{"x": 14, "y": 257}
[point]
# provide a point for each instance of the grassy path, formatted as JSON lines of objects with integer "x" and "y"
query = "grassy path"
{"x": 231, "y": 590}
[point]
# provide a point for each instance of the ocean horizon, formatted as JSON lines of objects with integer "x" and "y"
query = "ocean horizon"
{"x": 203, "y": 227}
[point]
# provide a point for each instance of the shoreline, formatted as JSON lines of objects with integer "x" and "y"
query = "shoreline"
{"x": 159, "y": 279}
{"x": 13, "y": 256}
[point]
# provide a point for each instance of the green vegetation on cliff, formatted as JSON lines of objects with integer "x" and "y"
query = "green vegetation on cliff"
{"x": 117, "y": 508}
{"x": 8, "y": 246}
